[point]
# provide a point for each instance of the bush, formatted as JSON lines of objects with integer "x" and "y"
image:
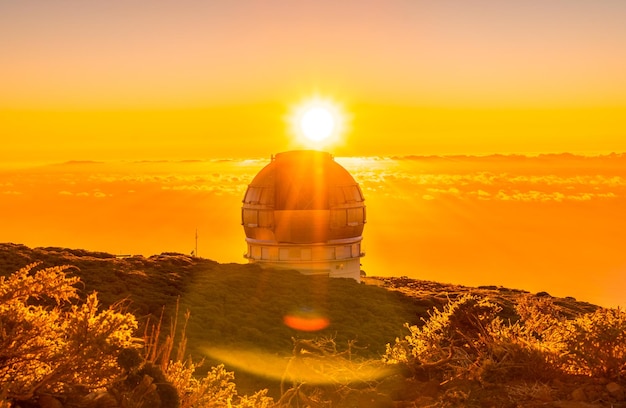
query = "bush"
{"x": 467, "y": 339}
{"x": 515, "y": 352}
{"x": 450, "y": 340}
{"x": 51, "y": 347}
{"x": 215, "y": 389}
{"x": 60, "y": 348}
{"x": 54, "y": 344}
{"x": 592, "y": 344}
{"x": 596, "y": 344}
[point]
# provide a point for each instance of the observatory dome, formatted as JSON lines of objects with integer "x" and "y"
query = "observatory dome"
{"x": 304, "y": 211}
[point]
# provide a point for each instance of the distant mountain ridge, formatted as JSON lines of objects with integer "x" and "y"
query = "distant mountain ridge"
{"x": 616, "y": 157}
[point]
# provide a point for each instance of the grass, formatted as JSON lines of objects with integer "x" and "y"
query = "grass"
{"x": 238, "y": 306}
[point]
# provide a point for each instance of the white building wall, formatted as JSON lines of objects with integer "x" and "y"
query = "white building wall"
{"x": 337, "y": 260}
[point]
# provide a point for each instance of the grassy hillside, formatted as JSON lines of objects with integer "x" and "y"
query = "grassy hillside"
{"x": 232, "y": 303}
{"x": 242, "y": 308}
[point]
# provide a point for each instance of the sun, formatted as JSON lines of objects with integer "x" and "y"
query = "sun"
{"x": 317, "y": 122}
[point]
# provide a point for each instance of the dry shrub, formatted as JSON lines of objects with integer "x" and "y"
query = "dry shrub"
{"x": 591, "y": 344}
{"x": 216, "y": 389}
{"x": 596, "y": 344}
{"x": 468, "y": 340}
{"x": 514, "y": 352}
{"x": 530, "y": 391}
{"x": 529, "y": 348}
{"x": 450, "y": 342}
{"x": 61, "y": 348}
{"x": 319, "y": 375}
{"x": 49, "y": 346}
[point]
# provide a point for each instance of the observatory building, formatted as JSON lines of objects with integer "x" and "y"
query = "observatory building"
{"x": 304, "y": 211}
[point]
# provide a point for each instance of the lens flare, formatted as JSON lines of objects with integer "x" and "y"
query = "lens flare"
{"x": 312, "y": 371}
{"x": 307, "y": 323}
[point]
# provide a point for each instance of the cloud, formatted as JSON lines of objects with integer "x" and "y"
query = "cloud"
{"x": 96, "y": 194}
{"x": 547, "y": 178}
{"x": 541, "y": 179}
{"x": 517, "y": 158}
{"x": 231, "y": 188}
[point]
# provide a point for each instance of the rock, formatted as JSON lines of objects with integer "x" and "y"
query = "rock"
{"x": 430, "y": 389}
{"x": 373, "y": 399}
{"x": 574, "y": 404}
{"x": 100, "y": 399}
{"x": 423, "y": 401}
{"x": 595, "y": 392}
{"x": 399, "y": 388}
{"x": 544, "y": 394}
{"x": 48, "y": 401}
{"x": 579, "y": 394}
{"x": 615, "y": 390}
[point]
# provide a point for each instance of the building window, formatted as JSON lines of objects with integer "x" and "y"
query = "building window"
{"x": 271, "y": 253}
{"x": 267, "y": 196}
{"x": 330, "y": 253}
{"x": 338, "y": 218}
{"x": 318, "y": 253}
{"x": 256, "y": 252}
{"x": 355, "y": 216}
{"x": 265, "y": 253}
{"x": 257, "y": 218}
{"x": 294, "y": 253}
{"x": 253, "y": 195}
{"x": 266, "y": 219}
{"x": 347, "y": 217}
{"x": 352, "y": 194}
{"x": 250, "y": 218}
{"x": 343, "y": 252}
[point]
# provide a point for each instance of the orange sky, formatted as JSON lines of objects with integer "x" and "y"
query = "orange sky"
{"x": 135, "y": 80}
{"x": 132, "y": 79}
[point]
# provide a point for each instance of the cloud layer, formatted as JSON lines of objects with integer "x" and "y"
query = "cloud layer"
{"x": 550, "y": 178}
{"x": 537, "y": 223}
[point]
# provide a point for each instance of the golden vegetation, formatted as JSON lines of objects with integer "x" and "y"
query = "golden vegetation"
{"x": 81, "y": 354}
{"x": 56, "y": 344}
{"x": 57, "y": 349}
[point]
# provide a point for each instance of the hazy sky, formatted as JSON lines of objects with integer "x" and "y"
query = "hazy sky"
{"x": 127, "y": 80}
{"x": 123, "y": 79}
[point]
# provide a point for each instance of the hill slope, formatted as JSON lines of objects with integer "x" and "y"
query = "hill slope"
{"x": 243, "y": 307}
